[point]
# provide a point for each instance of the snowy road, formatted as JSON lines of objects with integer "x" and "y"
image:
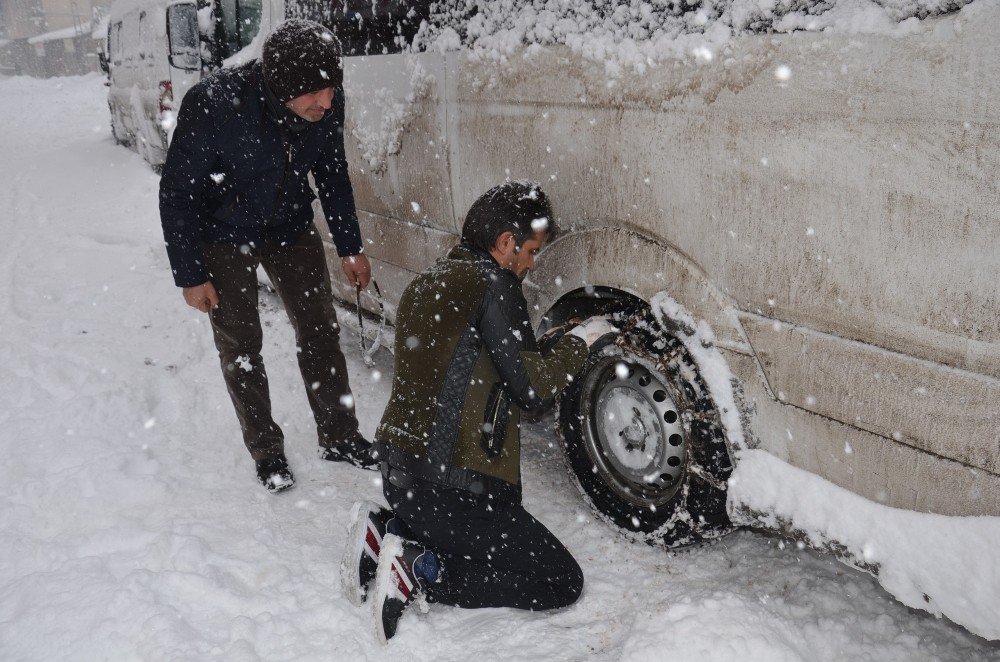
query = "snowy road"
{"x": 133, "y": 526}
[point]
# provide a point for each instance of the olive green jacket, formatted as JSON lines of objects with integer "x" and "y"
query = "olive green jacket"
{"x": 466, "y": 365}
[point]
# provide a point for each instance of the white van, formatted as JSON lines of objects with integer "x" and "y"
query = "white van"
{"x": 156, "y": 52}
{"x": 797, "y": 235}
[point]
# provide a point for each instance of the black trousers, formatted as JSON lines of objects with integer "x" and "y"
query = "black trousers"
{"x": 301, "y": 277}
{"x": 492, "y": 554}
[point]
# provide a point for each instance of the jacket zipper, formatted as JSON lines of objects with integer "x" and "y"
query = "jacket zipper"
{"x": 493, "y": 429}
{"x": 490, "y": 443}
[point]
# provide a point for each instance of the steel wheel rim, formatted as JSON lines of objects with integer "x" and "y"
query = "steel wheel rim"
{"x": 633, "y": 431}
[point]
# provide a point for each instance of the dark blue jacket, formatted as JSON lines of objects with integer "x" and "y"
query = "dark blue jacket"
{"x": 235, "y": 174}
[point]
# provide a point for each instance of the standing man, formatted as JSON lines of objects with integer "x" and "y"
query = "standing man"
{"x": 234, "y": 195}
{"x": 467, "y": 364}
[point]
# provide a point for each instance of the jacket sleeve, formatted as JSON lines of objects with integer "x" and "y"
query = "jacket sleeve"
{"x": 334, "y": 184}
{"x": 190, "y": 159}
{"x": 530, "y": 378}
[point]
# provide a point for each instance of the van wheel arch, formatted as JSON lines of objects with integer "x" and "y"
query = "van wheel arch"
{"x": 626, "y": 264}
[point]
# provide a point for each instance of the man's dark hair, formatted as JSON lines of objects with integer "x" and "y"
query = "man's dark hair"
{"x": 521, "y": 208}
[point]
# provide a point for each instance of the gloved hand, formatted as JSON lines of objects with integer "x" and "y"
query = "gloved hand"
{"x": 592, "y": 329}
{"x": 549, "y": 339}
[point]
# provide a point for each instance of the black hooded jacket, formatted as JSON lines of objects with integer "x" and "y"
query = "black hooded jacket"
{"x": 236, "y": 172}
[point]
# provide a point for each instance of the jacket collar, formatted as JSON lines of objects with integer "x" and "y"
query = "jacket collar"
{"x": 469, "y": 253}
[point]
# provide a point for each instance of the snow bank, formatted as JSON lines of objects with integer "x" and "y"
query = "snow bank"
{"x": 945, "y": 565}
{"x": 636, "y": 34}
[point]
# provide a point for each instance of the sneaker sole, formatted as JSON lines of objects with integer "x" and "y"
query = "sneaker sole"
{"x": 357, "y": 532}
{"x": 351, "y": 460}
{"x": 392, "y": 546}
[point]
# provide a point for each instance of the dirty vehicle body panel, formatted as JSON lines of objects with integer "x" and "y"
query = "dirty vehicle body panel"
{"x": 836, "y": 229}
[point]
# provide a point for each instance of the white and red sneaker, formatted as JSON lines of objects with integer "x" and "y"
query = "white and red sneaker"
{"x": 396, "y": 585}
{"x": 364, "y": 541}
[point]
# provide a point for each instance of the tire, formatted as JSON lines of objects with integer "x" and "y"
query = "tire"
{"x": 115, "y": 131}
{"x": 662, "y": 476}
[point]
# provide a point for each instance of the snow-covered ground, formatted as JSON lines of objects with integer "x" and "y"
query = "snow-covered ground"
{"x": 134, "y": 528}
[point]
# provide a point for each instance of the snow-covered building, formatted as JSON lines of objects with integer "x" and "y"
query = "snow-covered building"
{"x": 49, "y": 37}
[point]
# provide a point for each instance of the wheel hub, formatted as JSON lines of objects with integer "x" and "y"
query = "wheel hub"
{"x": 635, "y": 434}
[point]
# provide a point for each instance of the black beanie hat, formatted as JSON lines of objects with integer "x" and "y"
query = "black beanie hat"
{"x": 301, "y": 57}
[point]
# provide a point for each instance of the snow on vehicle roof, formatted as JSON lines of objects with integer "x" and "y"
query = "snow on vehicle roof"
{"x": 639, "y": 33}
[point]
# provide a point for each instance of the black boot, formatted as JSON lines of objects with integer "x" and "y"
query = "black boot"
{"x": 354, "y": 450}
{"x": 273, "y": 473}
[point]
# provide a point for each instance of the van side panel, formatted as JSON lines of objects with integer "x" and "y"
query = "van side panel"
{"x": 855, "y": 203}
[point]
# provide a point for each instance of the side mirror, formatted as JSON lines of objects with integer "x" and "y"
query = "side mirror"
{"x": 182, "y": 36}
{"x": 102, "y": 60}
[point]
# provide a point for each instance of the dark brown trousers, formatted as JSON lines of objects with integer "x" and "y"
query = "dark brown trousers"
{"x": 302, "y": 279}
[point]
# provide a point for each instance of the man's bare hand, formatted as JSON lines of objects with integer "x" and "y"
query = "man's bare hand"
{"x": 358, "y": 270}
{"x": 203, "y": 297}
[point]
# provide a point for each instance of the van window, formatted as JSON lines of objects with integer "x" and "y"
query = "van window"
{"x": 182, "y": 34}
{"x": 249, "y": 17}
{"x": 237, "y": 25}
{"x": 365, "y": 27}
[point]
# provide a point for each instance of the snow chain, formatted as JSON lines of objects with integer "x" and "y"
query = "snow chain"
{"x": 661, "y": 362}
{"x": 368, "y": 354}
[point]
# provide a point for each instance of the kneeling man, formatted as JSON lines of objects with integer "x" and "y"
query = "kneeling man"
{"x": 467, "y": 364}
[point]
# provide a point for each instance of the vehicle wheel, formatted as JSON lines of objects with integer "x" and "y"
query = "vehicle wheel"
{"x": 644, "y": 439}
{"x": 116, "y": 132}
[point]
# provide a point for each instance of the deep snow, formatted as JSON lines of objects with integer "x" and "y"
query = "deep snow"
{"x": 134, "y": 527}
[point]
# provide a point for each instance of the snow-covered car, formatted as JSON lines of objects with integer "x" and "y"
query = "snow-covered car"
{"x": 789, "y": 217}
